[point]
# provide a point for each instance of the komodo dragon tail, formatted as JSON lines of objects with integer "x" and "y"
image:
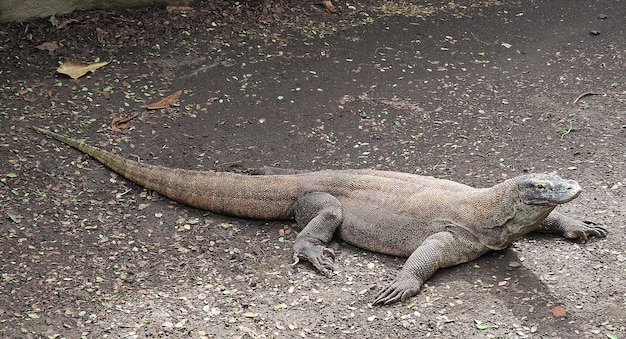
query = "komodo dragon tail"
{"x": 255, "y": 197}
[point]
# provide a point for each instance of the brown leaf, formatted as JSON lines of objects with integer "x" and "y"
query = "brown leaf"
{"x": 76, "y": 69}
{"x": 66, "y": 23}
{"x": 48, "y": 46}
{"x": 557, "y": 311}
{"x": 101, "y": 35}
{"x": 123, "y": 122}
{"x": 167, "y": 101}
{"x": 328, "y": 4}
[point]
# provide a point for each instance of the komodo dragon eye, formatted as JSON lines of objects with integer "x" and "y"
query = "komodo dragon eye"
{"x": 540, "y": 186}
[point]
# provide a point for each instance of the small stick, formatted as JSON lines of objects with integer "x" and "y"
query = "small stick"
{"x": 486, "y": 43}
{"x": 586, "y": 94}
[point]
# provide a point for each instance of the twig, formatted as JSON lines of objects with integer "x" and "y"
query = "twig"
{"x": 484, "y": 42}
{"x": 586, "y": 94}
{"x": 207, "y": 67}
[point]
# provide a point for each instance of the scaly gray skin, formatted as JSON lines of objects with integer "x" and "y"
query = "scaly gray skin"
{"x": 435, "y": 223}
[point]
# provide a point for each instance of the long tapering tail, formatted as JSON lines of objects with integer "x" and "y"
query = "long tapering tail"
{"x": 256, "y": 197}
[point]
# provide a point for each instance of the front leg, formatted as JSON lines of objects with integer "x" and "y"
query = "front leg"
{"x": 559, "y": 223}
{"x": 320, "y": 214}
{"x": 442, "y": 249}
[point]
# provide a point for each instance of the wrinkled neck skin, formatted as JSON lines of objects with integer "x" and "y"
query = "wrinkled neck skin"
{"x": 504, "y": 217}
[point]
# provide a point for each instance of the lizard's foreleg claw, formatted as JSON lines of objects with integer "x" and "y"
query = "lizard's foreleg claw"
{"x": 321, "y": 257}
{"x": 582, "y": 230}
{"x": 595, "y": 230}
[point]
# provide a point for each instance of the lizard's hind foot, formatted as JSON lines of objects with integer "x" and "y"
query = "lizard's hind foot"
{"x": 400, "y": 290}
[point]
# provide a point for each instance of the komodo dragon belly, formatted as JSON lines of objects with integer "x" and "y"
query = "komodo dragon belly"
{"x": 379, "y": 229}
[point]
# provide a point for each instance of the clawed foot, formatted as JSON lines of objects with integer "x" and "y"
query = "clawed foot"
{"x": 321, "y": 257}
{"x": 399, "y": 290}
{"x": 585, "y": 229}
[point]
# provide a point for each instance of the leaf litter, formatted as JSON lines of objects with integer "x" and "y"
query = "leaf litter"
{"x": 76, "y": 69}
{"x": 165, "y": 102}
{"x": 117, "y": 124}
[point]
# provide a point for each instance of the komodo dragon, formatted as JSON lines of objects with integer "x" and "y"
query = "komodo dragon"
{"x": 434, "y": 222}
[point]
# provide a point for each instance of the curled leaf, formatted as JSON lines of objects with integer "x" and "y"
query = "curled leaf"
{"x": 101, "y": 35}
{"x": 165, "y": 102}
{"x": 118, "y": 123}
{"x": 76, "y": 69}
{"x": 328, "y": 4}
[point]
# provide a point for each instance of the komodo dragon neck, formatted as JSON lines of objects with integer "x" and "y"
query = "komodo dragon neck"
{"x": 502, "y": 216}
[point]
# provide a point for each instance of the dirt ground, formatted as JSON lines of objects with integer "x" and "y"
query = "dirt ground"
{"x": 472, "y": 91}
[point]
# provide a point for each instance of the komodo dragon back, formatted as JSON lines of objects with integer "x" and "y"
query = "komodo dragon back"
{"x": 436, "y": 223}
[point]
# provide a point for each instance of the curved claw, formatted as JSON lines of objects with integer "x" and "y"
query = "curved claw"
{"x": 399, "y": 290}
{"x": 595, "y": 230}
{"x": 321, "y": 257}
{"x": 585, "y": 230}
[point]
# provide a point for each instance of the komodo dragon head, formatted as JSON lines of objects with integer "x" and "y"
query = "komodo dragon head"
{"x": 523, "y": 204}
{"x": 546, "y": 189}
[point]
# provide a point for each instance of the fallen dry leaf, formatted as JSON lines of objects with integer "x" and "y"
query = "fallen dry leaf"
{"x": 165, "y": 102}
{"x": 118, "y": 123}
{"x": 330, "y": 7}
{"x": 65, "y": 23}
{"x": 48, "y": 46}
{"x": 76, "y": 69}
{"x": 101, "y": 35}
{"x": 557, "y": 311}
